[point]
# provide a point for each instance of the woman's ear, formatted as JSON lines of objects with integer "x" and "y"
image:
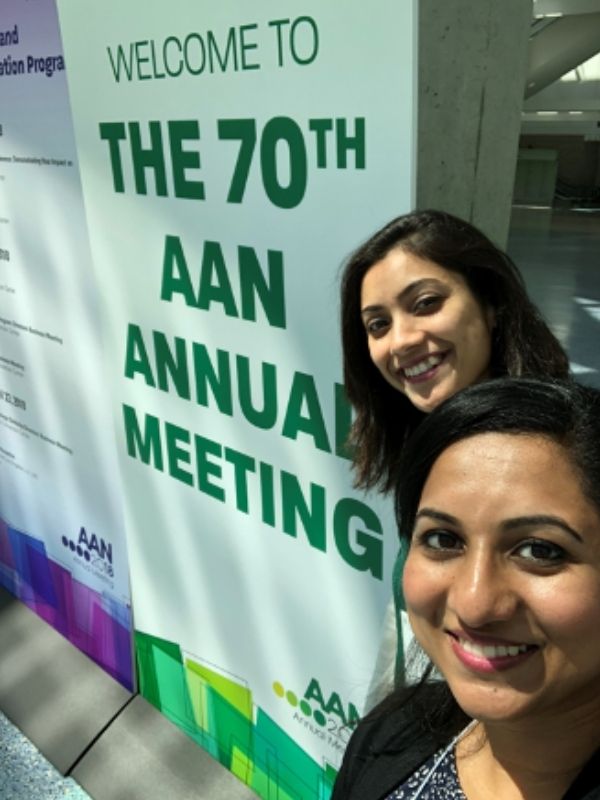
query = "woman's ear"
{"x": 490, "y": 315}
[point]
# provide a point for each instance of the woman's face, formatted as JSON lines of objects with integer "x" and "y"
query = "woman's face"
{"x": 502, "y": 580}
{"x": 427, "y": 334}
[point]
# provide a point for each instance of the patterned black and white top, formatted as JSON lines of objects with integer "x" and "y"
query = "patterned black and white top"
{"x": 442, "y": 784}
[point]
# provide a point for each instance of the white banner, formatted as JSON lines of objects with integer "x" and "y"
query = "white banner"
{"x": 62, "y": 542}
{"x": 231, "y": 157}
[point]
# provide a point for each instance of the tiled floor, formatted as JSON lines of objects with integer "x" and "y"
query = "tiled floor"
{"x": 26, "y": 775}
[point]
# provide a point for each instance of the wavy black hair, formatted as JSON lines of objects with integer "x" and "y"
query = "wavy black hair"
{"x": 563, "y": 411}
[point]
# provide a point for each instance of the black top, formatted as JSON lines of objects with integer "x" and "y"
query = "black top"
{"x": 384, "y": 752}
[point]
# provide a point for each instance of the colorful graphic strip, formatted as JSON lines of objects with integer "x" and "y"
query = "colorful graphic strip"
{"x": 95, "y": 623}
{"x": 219, "y": 715}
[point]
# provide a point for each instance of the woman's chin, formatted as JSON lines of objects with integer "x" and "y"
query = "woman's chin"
{"x": 497, "y": 708}
{"x": 428, "y": 398}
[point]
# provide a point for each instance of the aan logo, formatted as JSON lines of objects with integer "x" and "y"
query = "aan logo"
{"x": 318, "y": 705}
{"x": 89, "y": 545}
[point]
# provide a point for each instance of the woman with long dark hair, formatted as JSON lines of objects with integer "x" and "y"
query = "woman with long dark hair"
{"x": 429, "y": 306}
{"x": 519, "y": 341}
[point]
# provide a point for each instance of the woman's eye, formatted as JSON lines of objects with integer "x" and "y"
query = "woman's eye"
{"x": 440, "y": 541}
{"x": 542, "y": 552}
{"x": 429, "y": 302}
{"x": 376, "y": 326}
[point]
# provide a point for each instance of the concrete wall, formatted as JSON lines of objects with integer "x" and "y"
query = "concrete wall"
{"x": 472, "y": 73}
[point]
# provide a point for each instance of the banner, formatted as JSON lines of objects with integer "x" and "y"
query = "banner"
{"x": 62, "y": 542}
{"x": 231, "y": 157}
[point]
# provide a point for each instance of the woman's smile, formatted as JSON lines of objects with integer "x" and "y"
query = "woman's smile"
{"x": 488, "y": 657}
{"x": 423, "y": 368}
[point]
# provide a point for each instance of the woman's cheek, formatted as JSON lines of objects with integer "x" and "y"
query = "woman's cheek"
{"x": 415, "y": 584}
{"x": 425, "y": 585}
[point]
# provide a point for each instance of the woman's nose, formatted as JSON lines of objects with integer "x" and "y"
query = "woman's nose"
{"x": 482, "y": 593}
{"x": 405, "y": 336}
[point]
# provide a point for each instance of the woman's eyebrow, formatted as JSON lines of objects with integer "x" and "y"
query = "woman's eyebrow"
{"x": 411, "y": 287}
{"x": 440, "y": 516}
{"x": 541, "y": 519}
{"x": 508, "y": 525}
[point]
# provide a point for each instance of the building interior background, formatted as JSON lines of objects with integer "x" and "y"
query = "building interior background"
{"x": 555, "y": 220}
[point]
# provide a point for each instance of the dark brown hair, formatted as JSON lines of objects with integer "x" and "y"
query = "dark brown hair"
{"x": 522, "y": 343}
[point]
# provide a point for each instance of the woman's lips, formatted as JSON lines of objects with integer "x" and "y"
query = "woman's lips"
{"x": 490, "y": 656}
{"x": 423, "y": 369}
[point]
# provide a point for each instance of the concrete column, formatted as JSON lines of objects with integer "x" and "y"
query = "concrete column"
{"x": 472, "y": 70}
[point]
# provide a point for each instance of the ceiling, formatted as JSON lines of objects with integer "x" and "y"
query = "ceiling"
{"x": 562, "y": 94}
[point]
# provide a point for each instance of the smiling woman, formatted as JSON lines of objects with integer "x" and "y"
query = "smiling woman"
{"x": 502, "y": 579}
{"x": 427, "y": 334}
{"x": 500, "y": 504}
{"x": 429, "y": 306}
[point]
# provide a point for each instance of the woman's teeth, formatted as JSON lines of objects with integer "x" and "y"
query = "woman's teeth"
{"x": 423, "y": 366}
{"x": 493, "y": 650}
